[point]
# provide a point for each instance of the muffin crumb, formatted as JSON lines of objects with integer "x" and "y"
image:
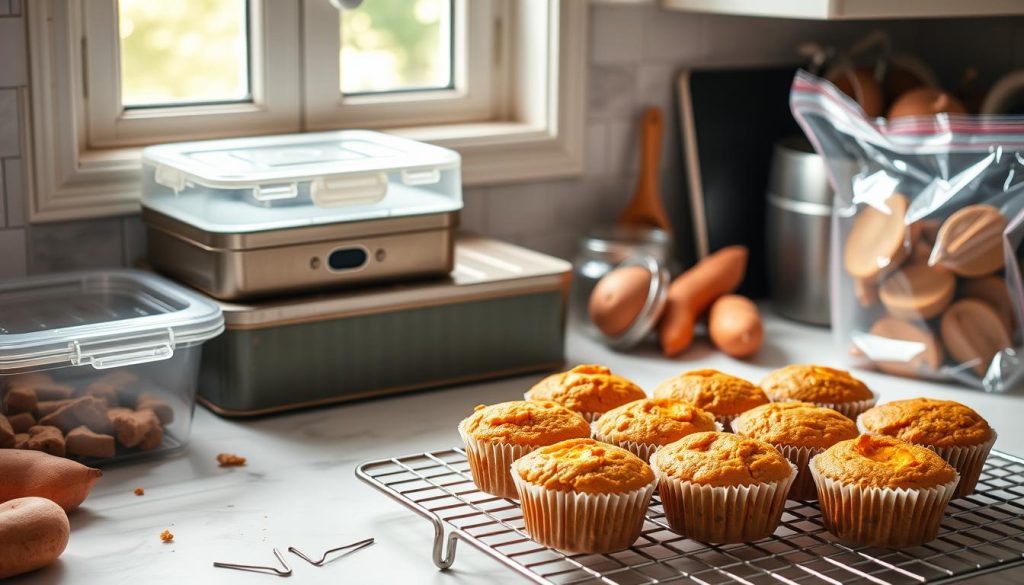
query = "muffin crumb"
{"x": 230, "y": 460}
{"x": 140, "y": 491}
{"x": 166, "y": 536}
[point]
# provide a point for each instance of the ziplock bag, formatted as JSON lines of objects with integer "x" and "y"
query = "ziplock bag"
{"x": 926, "y": 232}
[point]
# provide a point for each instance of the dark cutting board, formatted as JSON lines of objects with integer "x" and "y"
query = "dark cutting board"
{"x": 729, "y": 120}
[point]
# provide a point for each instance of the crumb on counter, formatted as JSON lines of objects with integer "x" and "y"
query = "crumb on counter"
{"x": 166, "y": 536}
{"x": 230, "y": 460}
{"x": 140, "y": 492}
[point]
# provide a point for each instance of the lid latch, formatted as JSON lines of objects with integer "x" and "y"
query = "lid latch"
{"x": 116, "y": 353}
{"x": 333, "y": 191}
{"x": 275, "y": 192}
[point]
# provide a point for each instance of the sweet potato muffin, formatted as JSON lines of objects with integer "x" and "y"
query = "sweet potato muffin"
{"x": 881, "y": 491}
{"x": 957, "y": 433}
{"x": 820, "y": 385}
{"x": 722, "y": 395}
{"x": 799, "y": 430}
{"x": 582, "y": 495}
{"x": 590, "y": 390}
{"x": 497, "y": 435}
{"x": 722, "y": 488}
{"x": 642, "y": 426}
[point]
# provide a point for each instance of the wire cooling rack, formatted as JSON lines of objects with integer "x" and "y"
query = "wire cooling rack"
{"x": 980, "y": 534}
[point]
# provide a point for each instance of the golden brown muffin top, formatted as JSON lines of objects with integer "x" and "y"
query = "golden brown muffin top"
{"x": 711, "y": 390}
{"x": 584, "y": 465}
{"x": 587, "y": 388}
{"x": 877, "y": 461}
{"x": 809, "y": 383}
{"x": 940, "y": 423}
{"x": 658, "y": 421}
{"x": 800, "y": 424}
{"x": 525, "y": 422}
{"x": 722, "y": 459}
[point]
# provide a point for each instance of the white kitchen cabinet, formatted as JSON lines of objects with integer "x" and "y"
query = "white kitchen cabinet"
{"x": 851, "y": 9}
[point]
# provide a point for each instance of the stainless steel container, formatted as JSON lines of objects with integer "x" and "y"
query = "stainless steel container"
{"x": 799, "y": 224}
{"x": 500, "y": 312}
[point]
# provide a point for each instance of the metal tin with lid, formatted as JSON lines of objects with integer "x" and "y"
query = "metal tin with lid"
{"x": 248, "y": 217}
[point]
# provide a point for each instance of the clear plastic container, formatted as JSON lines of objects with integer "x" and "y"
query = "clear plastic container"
{"x": 244, "y": 185}
{"x": 109, "y": 359}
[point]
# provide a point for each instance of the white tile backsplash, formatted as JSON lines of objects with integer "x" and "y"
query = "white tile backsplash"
{"x": 616, "y": 35}
{"x": 14, "y": 72}
{"x": 14, "y": 189}
{"x": 10, "y": 138}
{"x": 636, "y": 54}
{"x": 12, "y": 253}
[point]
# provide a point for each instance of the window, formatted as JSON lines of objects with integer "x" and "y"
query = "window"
{"x": 501, "y": 81}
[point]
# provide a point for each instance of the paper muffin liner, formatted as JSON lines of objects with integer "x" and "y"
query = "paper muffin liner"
{"x": 850, "y": 410}
{"x": 642, "y": 450}
{"x": 877, "y": 516}
{"x": 723, "y": 515}
{"x": 803, "y": 486}
{"x": 489, "y": 463}
{"x": 582, "y": 523}
{"x": 725, "y": 420}
{"x": 968, "y": 460}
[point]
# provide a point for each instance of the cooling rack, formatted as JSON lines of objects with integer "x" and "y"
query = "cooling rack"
{"x": 981, "y": 533}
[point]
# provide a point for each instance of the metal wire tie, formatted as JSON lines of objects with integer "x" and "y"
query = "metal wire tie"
{"x": 354, "y": 547}
{"x": 287, "y": 572}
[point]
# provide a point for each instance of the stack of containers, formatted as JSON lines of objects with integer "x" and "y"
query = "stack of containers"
{"x": 335, "y": 260}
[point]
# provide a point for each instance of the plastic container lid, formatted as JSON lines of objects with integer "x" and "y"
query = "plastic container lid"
{"x": 105, "y": 319}
{"x": 274, "y": 182}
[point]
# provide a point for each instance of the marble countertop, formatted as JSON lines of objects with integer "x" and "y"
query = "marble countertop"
{"x": 299, "y": 488}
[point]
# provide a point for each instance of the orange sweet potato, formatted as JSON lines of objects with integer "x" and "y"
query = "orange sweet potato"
{"x": 693, "y": 291}
{"x": 34, "y": 473}
{"x": 33, "y": 533}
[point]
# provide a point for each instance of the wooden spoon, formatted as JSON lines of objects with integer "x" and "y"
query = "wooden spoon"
{"x": 645, "y": 208}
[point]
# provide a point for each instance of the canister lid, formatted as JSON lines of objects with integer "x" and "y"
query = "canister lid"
{"x": 105, "y": 319}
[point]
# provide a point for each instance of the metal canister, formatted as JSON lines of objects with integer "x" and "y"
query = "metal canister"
{"x": 799, "y": 224}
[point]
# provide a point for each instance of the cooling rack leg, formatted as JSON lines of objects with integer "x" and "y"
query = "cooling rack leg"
{"x": 443, "y": 559}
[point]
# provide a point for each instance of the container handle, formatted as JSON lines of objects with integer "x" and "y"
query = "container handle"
{"x": 106, "y": 354}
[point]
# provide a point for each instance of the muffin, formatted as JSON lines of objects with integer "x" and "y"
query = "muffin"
{"x": 722, "y": 395}
{"x": 588, "y": 389}
{"x": 957, "y": 433}
{"x": 582, "y": 495}
{"x": 881, "y": 491}
{"x": 799, "y": 430}
{"x": 497, "y": 435}
{"x": 642, "y": 426}
{"x": 828, "y": 387}
{"x": 722, "y": 488}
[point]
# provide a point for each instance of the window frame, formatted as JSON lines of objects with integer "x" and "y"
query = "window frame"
{"x": 476, "y": 69}
{"x": 274, "y": 107}
{"x": 535, "y": 131}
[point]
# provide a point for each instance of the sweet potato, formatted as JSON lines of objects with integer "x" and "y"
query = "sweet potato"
{"x": 34, "y": 473}
{"x": 33, "y": 533}
{"x": 163, "y": 409}
{"x": 52, "y": 391}
{"x": 48, "y": 407}
{"x": 692, "y": 292}
{"x": 734, "y": 324}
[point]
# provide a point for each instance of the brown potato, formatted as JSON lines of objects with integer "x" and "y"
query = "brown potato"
{"x": 33, "y": 533}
